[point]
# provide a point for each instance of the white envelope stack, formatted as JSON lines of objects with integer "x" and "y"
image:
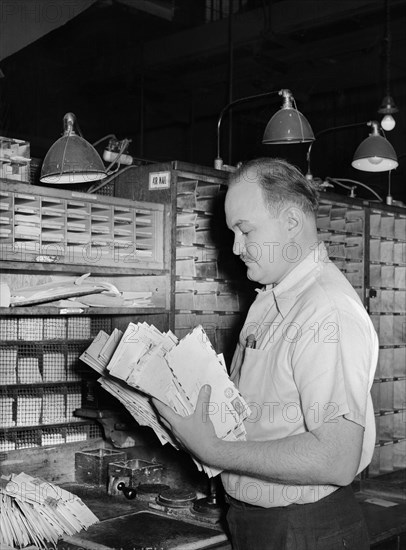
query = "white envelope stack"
{"x": 144, "y": 362}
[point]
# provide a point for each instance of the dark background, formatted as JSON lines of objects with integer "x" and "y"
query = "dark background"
{"x": 158, "y": 72}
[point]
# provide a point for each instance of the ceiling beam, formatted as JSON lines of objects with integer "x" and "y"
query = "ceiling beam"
{"x": 286, "y": 18}
{"x": 165, "y": 10}
{"x": 324, "y": 54}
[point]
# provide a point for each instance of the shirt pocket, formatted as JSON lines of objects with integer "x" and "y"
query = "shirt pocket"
{"x": 254, "y": 372}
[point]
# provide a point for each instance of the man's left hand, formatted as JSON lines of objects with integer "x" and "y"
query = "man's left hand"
{"x": 195, "y": 432}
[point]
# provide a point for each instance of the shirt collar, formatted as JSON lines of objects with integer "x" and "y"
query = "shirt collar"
{"x": 286, "y": 291}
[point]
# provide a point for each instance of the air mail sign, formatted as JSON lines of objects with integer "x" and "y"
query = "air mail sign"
{"x": 159, "y": 180}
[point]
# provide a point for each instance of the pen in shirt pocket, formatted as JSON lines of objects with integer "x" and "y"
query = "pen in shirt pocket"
{"x": 250, "y": 342}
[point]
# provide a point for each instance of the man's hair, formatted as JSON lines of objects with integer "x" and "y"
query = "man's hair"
{"x": 281, "y": 184}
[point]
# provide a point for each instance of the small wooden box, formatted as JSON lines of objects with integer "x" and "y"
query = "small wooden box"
{"x": 92, "y": 466}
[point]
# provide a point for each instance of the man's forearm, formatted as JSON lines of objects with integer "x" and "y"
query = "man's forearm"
{"x": 304, "y": 459}
{"x": 298, "y": 460}
{"x": 330, "y": 454}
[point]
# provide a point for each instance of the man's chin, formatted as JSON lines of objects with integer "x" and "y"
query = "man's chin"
{"x": 257, "y": 276}
{"x": 251, "y": 274}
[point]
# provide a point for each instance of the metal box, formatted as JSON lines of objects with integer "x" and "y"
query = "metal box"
{"x": 133, "y": 472}
{"x": 92, "y": 466}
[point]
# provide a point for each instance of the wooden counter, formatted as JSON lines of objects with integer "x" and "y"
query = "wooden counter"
{"x": 386, "y": 526}
{"x": 131, "y": 525}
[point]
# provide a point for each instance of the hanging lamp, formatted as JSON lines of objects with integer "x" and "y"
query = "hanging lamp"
{"x": 71, "y": 159}
{"x": 288, "y": 125}
{"x": 375, "y": 153}
{"x": 388, "y": 106}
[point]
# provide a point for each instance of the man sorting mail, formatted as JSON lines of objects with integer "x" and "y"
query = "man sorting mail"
{"x": 304, "y": 363}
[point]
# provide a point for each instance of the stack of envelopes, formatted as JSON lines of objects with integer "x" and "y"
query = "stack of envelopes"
{"x": 35, "y": 511}
{"x": 144, "y": 362}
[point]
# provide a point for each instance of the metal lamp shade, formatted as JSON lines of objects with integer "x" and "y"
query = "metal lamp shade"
{"x": 375, "y": 154}
{"x": 288, "y": 125}
{"x": 71, "y": 159}
{"x": 388, "y": 106}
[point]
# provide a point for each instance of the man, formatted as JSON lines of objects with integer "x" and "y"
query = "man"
{"x": 305, "y": 363}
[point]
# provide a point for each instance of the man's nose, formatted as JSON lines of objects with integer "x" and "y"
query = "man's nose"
{"x": 238, "y": 246}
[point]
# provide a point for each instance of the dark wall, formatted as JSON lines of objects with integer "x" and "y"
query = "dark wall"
{"x": 93, "y": 66}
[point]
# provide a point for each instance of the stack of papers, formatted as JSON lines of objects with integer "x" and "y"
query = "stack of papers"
{"x": 144, "y": 362}
{"x": 37, "y": 512}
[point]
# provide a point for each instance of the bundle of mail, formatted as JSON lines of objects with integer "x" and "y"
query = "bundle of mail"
{"x": 144, "y": 362}
{"x": 37, "y": 512}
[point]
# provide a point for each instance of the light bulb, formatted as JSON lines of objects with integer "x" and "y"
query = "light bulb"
{"x": 375, "y": 160}
{"x": 388, "y": 123}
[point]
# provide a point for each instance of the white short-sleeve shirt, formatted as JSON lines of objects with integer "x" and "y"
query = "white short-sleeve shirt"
{"x": 315, "y": 358}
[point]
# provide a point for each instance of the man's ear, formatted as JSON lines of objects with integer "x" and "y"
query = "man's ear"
{"x": 295, "y": 219}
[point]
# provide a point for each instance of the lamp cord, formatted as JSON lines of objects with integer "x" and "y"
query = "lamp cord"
{"x": 79, "y": 131}
{"x": 325, "y": 131}
{"x": 388, "y": 42}
{"x": 96, "y": 187}
{"x": 300, "y": 120}
{"x": 105, "y": 138}
{"x": 339, "y": 181}
{"x": 64, "y": 153}
{"x": 236, "y": 102}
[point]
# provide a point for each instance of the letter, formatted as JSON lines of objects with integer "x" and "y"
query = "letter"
{"x": 271, "y": 256}
{"x": 298, "y": 413}
{"x": 286, "y": 255}
{"x": 297, "y": 335}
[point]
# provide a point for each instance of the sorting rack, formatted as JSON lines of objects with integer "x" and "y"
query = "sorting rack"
{"x": 78, "y": 229}
{"x": 368, "y": 243}
{"x": 387, "y": 306}
{"x": 42, "y": 380}
{"x": 46, "y": 233}
{"x": 201, "y": 282}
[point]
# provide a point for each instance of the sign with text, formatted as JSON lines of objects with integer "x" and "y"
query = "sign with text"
{"x": 159, "y": 180}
